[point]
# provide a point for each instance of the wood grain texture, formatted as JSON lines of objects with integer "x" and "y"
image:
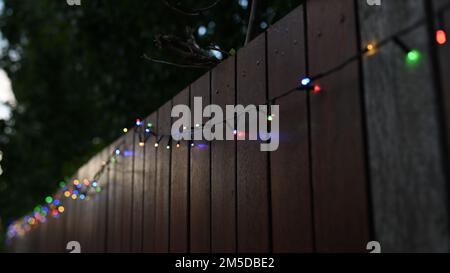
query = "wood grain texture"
{"x": 179, "y": 202}
{"x": 223, "y": 165}
{"x": 252, "y": 177}
{"x": 407, "y": 174}
{"x": 338, "y": 157}
{"x": 117, "y": 176}
{"x": 138, "y": 189}
{"x": 200, "y": 189}
{"x": 112, "y": 233}
{"x": 149, "y": 204}
{"x": 102, "y": 200}
{"x": 162, "y": 205}
{"x": 290, "y": 169}
{"x": 127, "y": 192}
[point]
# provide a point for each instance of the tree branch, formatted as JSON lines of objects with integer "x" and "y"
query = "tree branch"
{"x": 190, "y": 12}
{"x": 199, "y": 66}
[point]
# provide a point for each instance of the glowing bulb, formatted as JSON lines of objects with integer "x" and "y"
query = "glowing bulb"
{"x": 305, "y": 81}
{"x": 413, "y": 57}
{"x": 234, "y": 132}
{"x": 156, "y": 145}
{"x": 94, "y": 184}
{"x": 56, "y": 202}
{"x": 82, "y": 196}
{"x": 48, "y": 199}
{"x": 147, "y": 130}
{"x": 192, "y": 144}
{"x": 441, "y": 37}
{"x": 197, "y": 125}
{"x": 67, "y": 193}
{"x": 371, "y": 49}
{"x": 125, "y": 130}
{"x": 138, "y": 122}
{"x": 61, "y": 209}
{"x": 269, "y": 118}
{"x": 168, "y": 147}
{"x": 117, "y": 152}
{"x": 86, "y": 182}
{"x": 62, "y": 184}
{"x": 178, "y": 145}
{"x": 141, "y": 144}
{"x": 76, "y": 182}
{"x": 98, "y": 189}
{"x": 74, "y": 196}
{"x": 149, "y": 125}
{"x": 317, "y": 89}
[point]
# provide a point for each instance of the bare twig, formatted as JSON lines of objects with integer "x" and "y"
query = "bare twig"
{"x": 191, "y": 12}
{"x": 252, "y": 27}
{"x": 199, "y": 66}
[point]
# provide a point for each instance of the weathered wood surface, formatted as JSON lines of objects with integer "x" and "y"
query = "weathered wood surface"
{"x": 408, "y": 185}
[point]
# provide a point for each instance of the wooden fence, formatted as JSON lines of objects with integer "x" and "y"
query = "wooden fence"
{"x": 363, "y": 160}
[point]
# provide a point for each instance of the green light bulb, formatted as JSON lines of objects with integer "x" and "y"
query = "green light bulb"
{"x": 48, "y": 199}
{"x": 413, "y": 57}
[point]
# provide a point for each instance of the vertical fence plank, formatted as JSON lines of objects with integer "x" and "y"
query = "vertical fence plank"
{"x": 127, "y": 191}
{"x": 223, "y": 165}
{"x": 200, "y": 177}
{"x": 179, "y": 188}
{"x": 339, "y": 178}
{"x": 113, "y": 240}
{"x": 252, "y": 164}
{"x": 117, "y": 176}
{"x": 290, "y": 176}
{"x": 138, "y": 189}
{"x": 102, "y": 199}
{"x": 148, "y": 230}
{"x": 163, "y": 181}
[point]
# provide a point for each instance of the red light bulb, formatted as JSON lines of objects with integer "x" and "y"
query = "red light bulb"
{"x": 317, "y": 89}
{"x": 441, "y": 37}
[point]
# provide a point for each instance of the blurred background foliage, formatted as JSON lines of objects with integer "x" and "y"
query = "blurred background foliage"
{"x": 79, "y": 77}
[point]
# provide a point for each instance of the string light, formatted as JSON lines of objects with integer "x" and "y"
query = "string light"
{"x": 317, "y": 89}
{"x": 412, "y": 57}
{"x": 441, "y": 37}
{"x": 305, "y": 82}
{"x": 141, "y": 143}
{"x": 371, "y": 49}
{"x": 86, "y": 182}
